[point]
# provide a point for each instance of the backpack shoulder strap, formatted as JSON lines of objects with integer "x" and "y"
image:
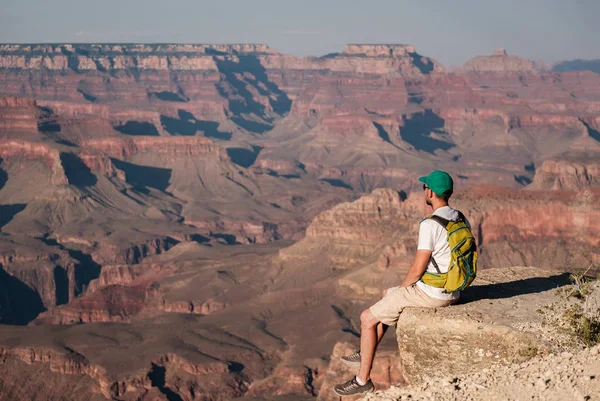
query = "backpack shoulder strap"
{"x": 442, "y": 221}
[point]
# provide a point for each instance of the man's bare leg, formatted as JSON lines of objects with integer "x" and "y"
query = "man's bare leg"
{"x": 369, "y": 338}
{"x": 381, "y": 329}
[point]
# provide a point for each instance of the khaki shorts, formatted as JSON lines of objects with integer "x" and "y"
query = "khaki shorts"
{"x": 389, "y": 308}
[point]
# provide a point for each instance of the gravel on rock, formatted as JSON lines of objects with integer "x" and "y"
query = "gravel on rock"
{"x": 566, "y": 376}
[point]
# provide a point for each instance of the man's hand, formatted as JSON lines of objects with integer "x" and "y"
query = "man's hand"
{"x": 418, "y": 268}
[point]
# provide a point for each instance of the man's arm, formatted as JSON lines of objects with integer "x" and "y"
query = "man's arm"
{"x": 418, "y": 268}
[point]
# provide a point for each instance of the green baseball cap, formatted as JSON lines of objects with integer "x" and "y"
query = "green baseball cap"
{"x": 439, "y": 182}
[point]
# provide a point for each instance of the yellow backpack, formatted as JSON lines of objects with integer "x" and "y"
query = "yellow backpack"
{"x": 463, "y": 256}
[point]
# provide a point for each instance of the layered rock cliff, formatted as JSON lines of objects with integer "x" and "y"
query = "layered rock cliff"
{"x": 374, "y": 238}
{"x": 114, "y": 57}
{"x": 368, "y": 104}
{"x": 499, "y": 62}
{"x": 368, "y": 59}
{"x": 564, "y": 174}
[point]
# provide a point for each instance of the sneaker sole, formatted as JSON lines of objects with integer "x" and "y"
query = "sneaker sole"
{"x": 350, "y": 363}
{"x": 371, "y": 390}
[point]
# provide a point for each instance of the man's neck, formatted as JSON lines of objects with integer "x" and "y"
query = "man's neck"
{"x": 436, "y": 205}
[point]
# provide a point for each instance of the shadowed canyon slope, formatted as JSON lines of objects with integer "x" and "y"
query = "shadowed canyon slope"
{"x": 176, "y": 220}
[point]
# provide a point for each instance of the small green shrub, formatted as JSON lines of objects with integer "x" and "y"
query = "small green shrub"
{"x": 528, "y": 352}
{"x": 576, "y": 313}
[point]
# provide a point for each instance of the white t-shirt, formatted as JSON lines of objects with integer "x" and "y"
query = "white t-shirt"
{"x": 432, "y": 237}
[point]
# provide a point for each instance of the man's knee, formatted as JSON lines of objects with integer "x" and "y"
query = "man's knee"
{"x": 367, "y": 320}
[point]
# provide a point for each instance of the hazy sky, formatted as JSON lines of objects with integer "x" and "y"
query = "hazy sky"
{"x": 449, "y": 31}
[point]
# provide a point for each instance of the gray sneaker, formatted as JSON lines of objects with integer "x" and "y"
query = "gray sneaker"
{"x": 351, "y": 387}
{"x": 352, "y": 360}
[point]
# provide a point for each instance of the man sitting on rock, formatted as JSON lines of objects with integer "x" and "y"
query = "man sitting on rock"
{"x": 433, "y": 255}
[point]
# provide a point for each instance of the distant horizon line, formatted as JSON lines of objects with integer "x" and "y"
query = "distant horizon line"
{"x": 188, "y": 43}
{"x": 269, "y": 46}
